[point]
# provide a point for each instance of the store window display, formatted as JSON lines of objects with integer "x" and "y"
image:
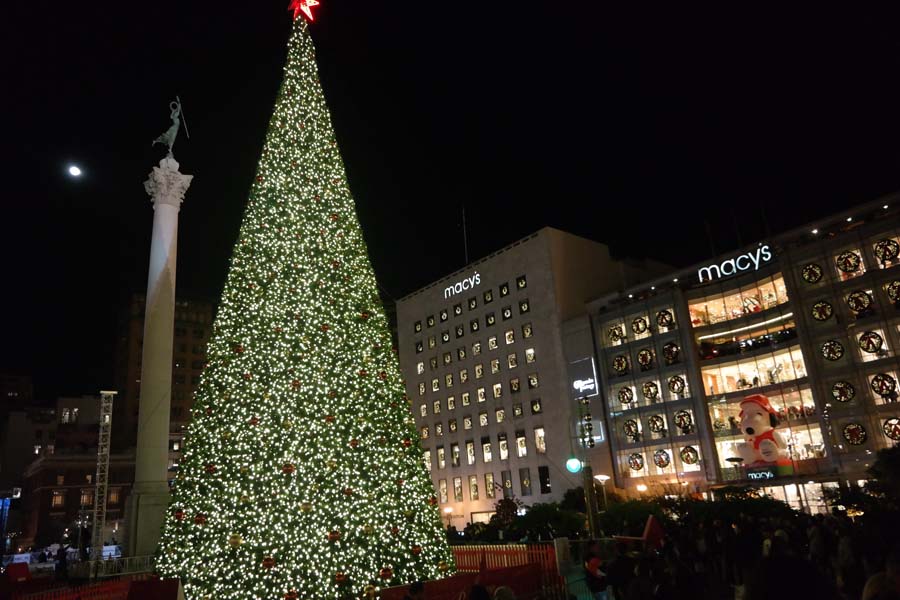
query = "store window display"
{"x": 747, "y": 339}
{"x": 734, "y": 304}
{"x": 761, "y": 370}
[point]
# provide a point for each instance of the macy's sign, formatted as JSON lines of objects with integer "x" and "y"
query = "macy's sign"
{"x": 460, "y": 286}
{"x": 744, "y": 262}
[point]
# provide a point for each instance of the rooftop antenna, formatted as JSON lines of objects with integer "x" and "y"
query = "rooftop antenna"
{"x": 183, "y": 118}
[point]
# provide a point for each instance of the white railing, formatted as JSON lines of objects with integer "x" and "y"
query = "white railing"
{"x": 112, "y": 567}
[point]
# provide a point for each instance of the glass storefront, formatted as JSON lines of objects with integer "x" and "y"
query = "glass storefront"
{"x": 738, "y": 302}
{"x": 758, "y": 371}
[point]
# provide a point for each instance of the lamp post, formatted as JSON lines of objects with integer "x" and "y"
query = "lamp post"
{"x": 603, "y": 479}
{"x": 448, "y": 512}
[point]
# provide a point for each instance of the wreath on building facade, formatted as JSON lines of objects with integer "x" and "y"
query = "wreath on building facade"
{"x": 620, "y": 365}
{"x": 665, "y": 318}
{"x": 848, "y": 262}
{"x": 671, "y": 352}
{"x": 650, "y": 390}
{"x": 645, "y": 358}
{"x": 640, "y": 325}
{"x": 883, "y": 384}
{"x": 615, "y": 334}
{"x": 689, "y": 455}
{"x": 859, "y": 301}
{"x": 891, "y": 428}
{"x": 832, "y": 350}
{"x": 893, "y": 290}
{"x": 886, "y": 250}
{"x": 676, "y": 384}
{"x": 626, "y": 395}
{"x": 684, "y": 421}
{"x": 656, "y": 424}
{"x": 630, "y": 427}
{"x": 661, "y": 459}
{"x": 855, "y": 434}
{"x": 811, "y": 273}
{"x": 636, "y": 461}
{"x": 843, "y": 391}
{"x": 871, "y": 342}
{"x": 822, "y": 311}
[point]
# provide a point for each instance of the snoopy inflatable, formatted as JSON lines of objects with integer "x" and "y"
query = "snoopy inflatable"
{"x": 762, "y": 444}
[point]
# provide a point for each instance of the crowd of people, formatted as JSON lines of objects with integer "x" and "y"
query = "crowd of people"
{"x": 752, "y": 558}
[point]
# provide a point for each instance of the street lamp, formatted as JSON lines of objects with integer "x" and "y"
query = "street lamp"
{"x": 449, "y": 512}
{"x": 641, "y": 487}
{"x": 603, "y": 479}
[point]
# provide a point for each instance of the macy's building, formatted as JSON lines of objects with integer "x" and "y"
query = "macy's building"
{"x": 809, "y": 319}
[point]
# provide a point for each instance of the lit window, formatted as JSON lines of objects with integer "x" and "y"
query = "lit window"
{"x": 521, "y": 446}
{"x": 463, "y": 375}
{"x": 58, "y": 499}
{"x": 499, "y": 415}
{"x": 476, "y": 348}
{"x": 473, "y": 325}
{"x": 498, "y": 390}
{"x": 451, "y": 402}
{"x": 473, "y": 487}
{"x": 423, "y": 410}
{"x": 460, "y": 331}
{"x": 495, "y": 366}
{"x": 432, "y": 362}
{"x": 521, "y": 282}
{"x": 517, "y": 410}
{"x": 483, "y": 419}
{"x": 532, "y": 381}
{"x": 492, "y": 342}
{"x": 504, "y": 289}
{"x": 527, "y": 330}
{"x": 489, "y": 487}
{"x": 529, "y": 355}
{"x": 114, "y": 495}
{"x": 479, "y": 371}
{"x": 437, "y": 407}
{"x": 435, "y": 384}
{"x": 442, "y": 462}
{"x": 514, "y": 385}
{"x": 473, "y": 303}
{"x": 452, "y": 425}
{"x": 417, "y": 327}
{"x": 540, "y": 445}
{"x": 510, "y": 336}
{"x": 470, "y": 452}
{"x": 444, "y": 315}
{"x": 507, "y": 313}
{"x": 486, "y": 450}
{"x": 457, "y": 489}
{"x": 490, "y": 319}
{"x": 466, "y": 398}
{"x": 488, "y": 297}
{"x": 428, "y": 459}
{"x": 438, "y": 429}
{"x": 467, "y": 422}
{"x": 480, "y": 394}
{"x": 442, "y": 490}
{"x": 457, "y": 309}
{"x": 87, "y": 496}
{"x": 445, "y": 337}
{"x": 65, "y": 415}
{"x": 448, "y": 380}
{"x": 37, "y": 448}
{"x": 424, "y": 432}
{"x": 420, "y": 368}
{"x": 421, "y": 388}
{"x": 461, "y": 353}
{"x": 512, "y": 361}
{"x": 431, "y": 341}
{"x": 504, "y": 446}
{"x": 430, "y": 321}
{"x": 524, "y": 307}
{"x": 536, "y": 407}
{"x": 525, "y": 481}
{"x": 454, "y": 455}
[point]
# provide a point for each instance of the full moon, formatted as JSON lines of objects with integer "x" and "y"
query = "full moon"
{"x": 74, "y": 171}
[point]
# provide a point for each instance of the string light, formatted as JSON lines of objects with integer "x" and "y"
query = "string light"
{"x": 302, "y": 474}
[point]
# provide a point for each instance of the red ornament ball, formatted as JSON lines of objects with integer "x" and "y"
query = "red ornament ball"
{"x": 334, "y": 536}
{"x": 200, "y": 519}
{"x": 364, "y": 316}
{"x": 332, "y": 393}
{"x": 254, "y": 421}
{"x": 334, "y": 217}
{"x": 179, "y": 515}
{"x": 329, "y": 418}
{"x": 363, "y": 372}
{"x": 295, "y": 383}
{"x": 386, "y": 573}
{"x": 340, "y": 577}
{"x": 211, "y": 468}
{"x": 248, "y": 376}
{"x": 325, "y": 327}
{"x": 407, "y": 443}
{"x": 382, "y": 375}
{"x": 399, "y": 482}
{"x": 432, "y": 501}
{"x": 269, "y": 562}
{"x": 288, "y": 468}
{"x": 354, "y": 443}
{"x": 395, "y": 530}
{"x": 259, "y": 179}
{"x": 348, "y": 491}
{"x": 208, "y": 410}
{"x": 291, "y": 595}
{"x": 416, "y": 550}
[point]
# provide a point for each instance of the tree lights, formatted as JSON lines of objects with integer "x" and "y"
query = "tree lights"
{"x": 301, "y": 429}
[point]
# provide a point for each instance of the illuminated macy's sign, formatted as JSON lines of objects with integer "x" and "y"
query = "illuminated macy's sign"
{"x": 460, "y": 286}
{"x": 732, "y": 266}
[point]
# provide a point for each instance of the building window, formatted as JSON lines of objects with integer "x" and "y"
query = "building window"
{"x": 488, "y": 297}
{"x": 473, "y": 487}
{"x": 473, "y": 303}
{"x": 480, "y": 394}
{"x": 466, "y": 398}
{"x": 476, "y": 348}
{"x": 437, "y": 407}
{"x": 524, "y": 306}
{"x": 525, "y": 481}
{"x": 451, "y": 424}
{"x": 442, "y": 490}
{"x": 514, "y": 385}
{"x": 503, "y": 444}
{"x": 510, "y": 336}
{"x": 429, "y": 321}
{"x": 517, "y": 410}
{"x": 421, "y": 388}
{"x": 454, "y": 454}
{"x": 479, "y": 371}
{"x": 495, "y": 366}
{"x": 506, "y": 478}
{"x": 115, "y": 495}
{"x": 444, "y": 315}
{"x": 499, "y": 415}
{"x": 507, "y": 313}
{"x": 490, "y": 319}
{"x": 536, "y": 407}
{"x": 431, "y": 342}
{"x": 498, "y": 390}
{"x": 451, "y": 402}
{"x": 441, "y": 460}
{"x": 461, "y": 353}
{"x": 37, "y": 449}
{"x": 483, "y": 419}
{"x": 473, "y": 325}
{"x": 540, "y": 444}
{"x": 423, "y": 410}
{"x": 504, "y": 289}
{"x": 463, "y": 375}
{"x": 529, "y": 355}
{"x": 428, "y": 459}
{"x": 457, "y": 309}
{"x": 532, "y": 381}
{"x": 64, "y": 416}
{"x": 470, "y": 452}
{"x": 58, "y": 499}
{"x": 435, "y": 384}
{"x": 492, "y": 342}
{"x": 87, "y": 496}
{"x": 199, "y": 333}
{"x": 432, "y": 362}
{"x": 512, "y": 361}
{"x": 438, "y": 429}
{"x": 486, "y": 449}
{"x": 460, "y": 331}
{"x": 445, "y": 337}
{"x": 521, "y": 282}
{"x": 417, "y": 327}
{"x": 60, "y": 480}
{"x": 489, "y": 487}
{"x": 420, "y": 367}
{"x": 527, "y": 330}
{"x": 448, "y": 380}
{"x": 457, "y": 489}
{"x": 424, "y": 432}
{"x": 467, "y": 422}
{"x": 521, "y": 445}
{"x": 544, "y": 479}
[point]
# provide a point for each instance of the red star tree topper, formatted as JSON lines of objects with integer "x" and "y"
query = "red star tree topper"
{"x": 303, "y": 5}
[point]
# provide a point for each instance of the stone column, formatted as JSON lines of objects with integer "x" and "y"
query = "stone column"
{"x": 149, "y": 497}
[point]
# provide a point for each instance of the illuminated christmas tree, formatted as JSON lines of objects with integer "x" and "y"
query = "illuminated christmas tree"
{"x": 302, "y": 474}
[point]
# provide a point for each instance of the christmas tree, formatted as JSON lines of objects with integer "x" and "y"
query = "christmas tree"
{"x": 302, "y": 474}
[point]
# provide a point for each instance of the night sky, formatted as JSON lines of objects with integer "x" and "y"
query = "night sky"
{"x": 633, "y": 126}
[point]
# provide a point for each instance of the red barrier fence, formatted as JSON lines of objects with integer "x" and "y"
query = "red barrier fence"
{"x": 106, "y": 590}
{"x": 524, "y": 581}
{"x": 541, "y": 556}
